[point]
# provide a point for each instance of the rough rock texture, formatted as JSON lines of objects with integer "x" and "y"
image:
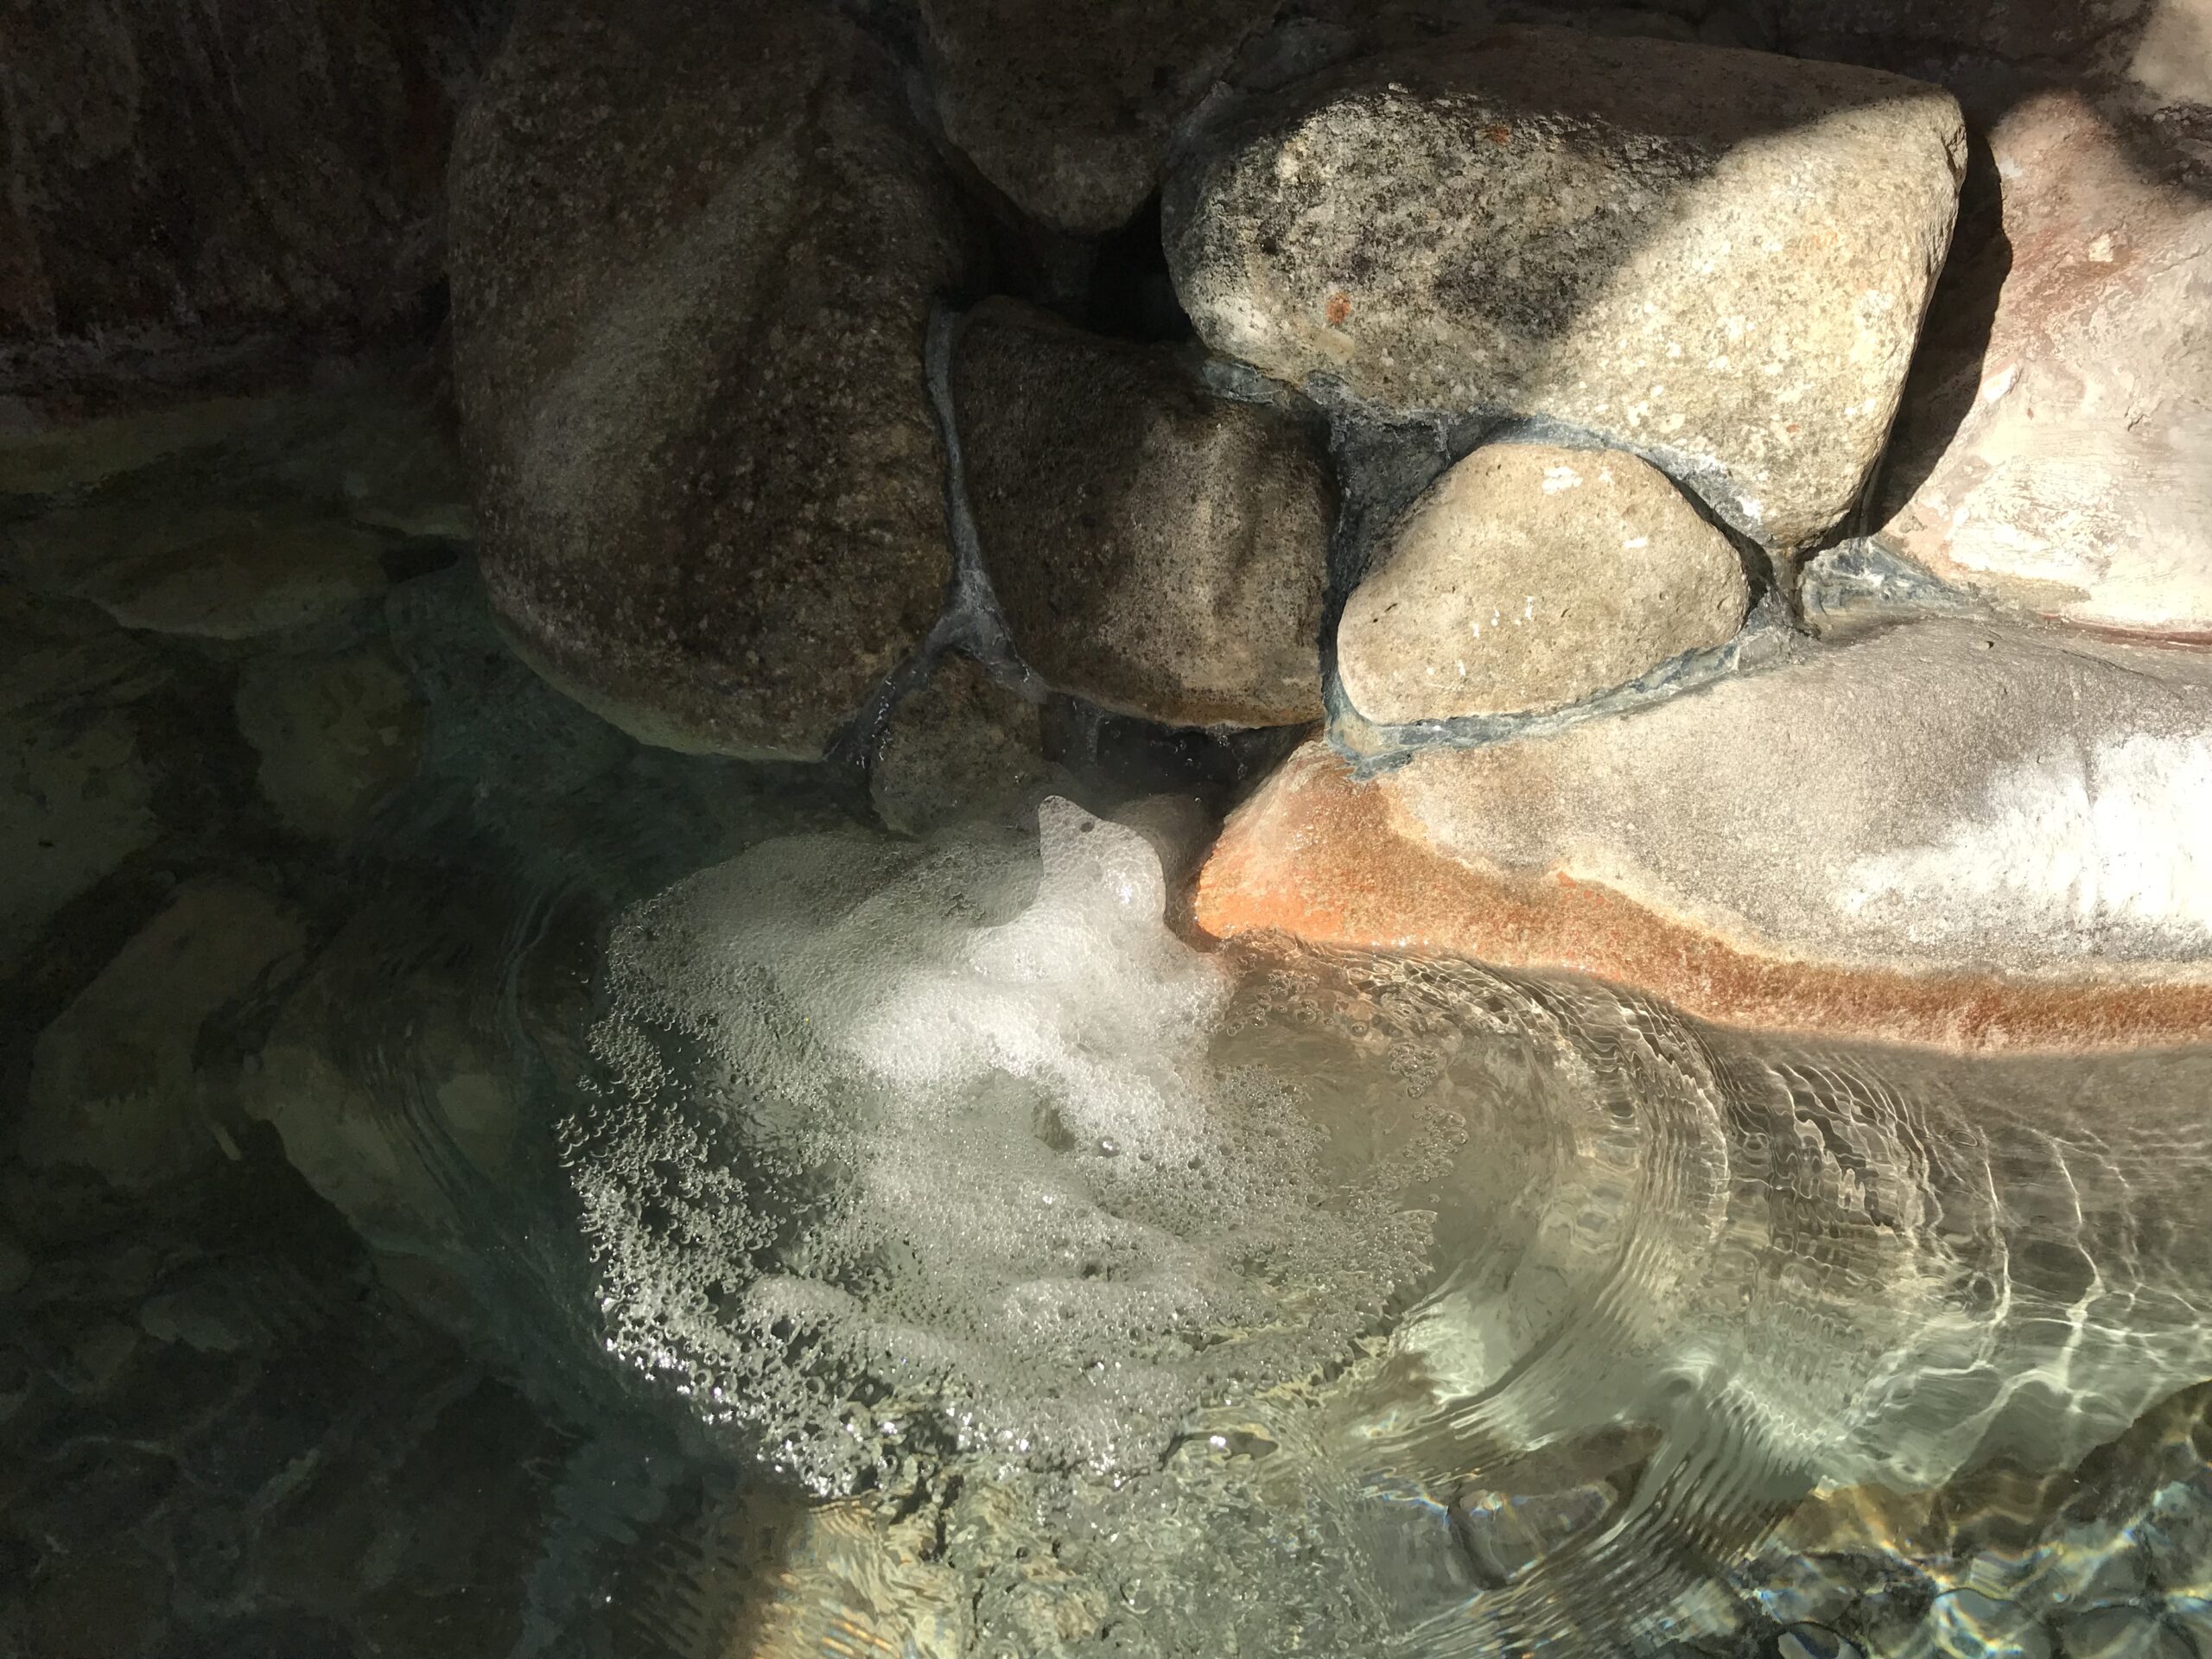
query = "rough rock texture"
{"x": 1070, "y": 109}
{"x": 961, "y": 747}
{"x": 112, "y": 1085}
{"x": 1157, "y": 549}
{"x": 190, "y": 176}
{"x": 1529, "y": 577}
{"x": 1939, "y": 834}
{"x": 2056, "y": 446}
{"x": 694, "y": 248}
{"x": 1900, "y": 34}
{"x": 1719, "y": 258}
{"x": 335, "y": 734}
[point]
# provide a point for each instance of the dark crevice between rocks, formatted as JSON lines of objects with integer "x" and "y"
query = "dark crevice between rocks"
{"x": 1130, "y": 293}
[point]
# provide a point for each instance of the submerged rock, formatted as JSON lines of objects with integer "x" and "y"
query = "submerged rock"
{"x": 335, "y": 734}
{"x": 1529, "y": 576}
{"x": 1156, "y": 549}
{"x": 1070, "y": 109}
{"x": 2055, "y": 450}
{"x": 694, "y": 248}
{"x": 1938, "y": 834}
{"x": 1719, "y": 258}
{"x": 961, "y": 747}
{"x": 113, "y": 1081}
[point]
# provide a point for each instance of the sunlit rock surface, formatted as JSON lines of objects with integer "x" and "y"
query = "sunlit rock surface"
{"x": 2055, "y": 449}
{"x": 1529, "y": 577}
{"x": 694, "y": 248}
{"x": 1157, "y": 549}
{"x": 1719, "y": 259}
{"x": 1941, "y": 834}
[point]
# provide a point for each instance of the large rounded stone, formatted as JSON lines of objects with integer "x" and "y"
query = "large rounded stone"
{"x": 1719, "y": 257}
{"x": 961, "y": 747}
{"x": 2055, "y": 450}
{"x": 1070, "y": 109}
{"x": 1529, "y": 577}
{"x": 694, "y": 248}
{"x": 1156, "y": 549}
{"x": 1937, "y": 834}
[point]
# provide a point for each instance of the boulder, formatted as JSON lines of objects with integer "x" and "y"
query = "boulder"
{"x": 694, "y": 248}
{"x": 1718, "y": 259}
{"x": 963, "y": 746}
{"x": 1530, "y": 577}
{"x": 1935, "y": 834}
{"x": 2055, "y": 450}
{"x": 1156, "y": 549}
{"x": 335, "y": 734}
{"x": 1069, "y": 110}
{"x": 114, "y": 1084}
{"x": 185, "y": 180}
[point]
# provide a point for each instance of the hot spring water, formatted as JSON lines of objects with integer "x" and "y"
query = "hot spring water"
{"x": 1511, "y": 1312}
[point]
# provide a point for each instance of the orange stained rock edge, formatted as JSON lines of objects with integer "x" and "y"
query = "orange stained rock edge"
{"x": 1318, "y": 856}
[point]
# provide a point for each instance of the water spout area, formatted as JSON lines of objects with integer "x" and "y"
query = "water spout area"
{"x": 1548, "y": 1304}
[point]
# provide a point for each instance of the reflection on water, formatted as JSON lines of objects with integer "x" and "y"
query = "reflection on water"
{"x": 472, "y": 1185}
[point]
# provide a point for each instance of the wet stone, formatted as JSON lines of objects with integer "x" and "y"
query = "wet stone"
{"x": 1719, "y": 258}
{"x": 1529, "y": 577}
{"x": 1968, "y": 1624}
{"x": 244, "y": 575}
{"x": 2123, "y": 1633}
{"x": 16, "y": 1265}
{"x": 964, "y": 746}
{"x": 1157, "y": 549}
{"x": 113, "y": 1082}
{"x": 335, "y": 734}
{"x": 694, "y": 253}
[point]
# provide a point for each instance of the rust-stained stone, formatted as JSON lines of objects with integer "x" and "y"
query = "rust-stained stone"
{"x": 2055, "y": 448}
{"x": 1885, "y": 841}
{"x": 1719, "y": 257}
{"x": 695, "y": 249}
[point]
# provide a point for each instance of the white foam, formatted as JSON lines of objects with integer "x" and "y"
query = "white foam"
{"x": 933, "y": 1137}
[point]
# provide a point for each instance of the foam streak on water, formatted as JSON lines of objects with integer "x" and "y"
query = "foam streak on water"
{"x": 953, "y": 1150}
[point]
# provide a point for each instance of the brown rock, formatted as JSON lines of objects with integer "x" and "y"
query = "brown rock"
{"x": 1529, "y": 577}
{"x": 1936, "y": 835}
{"x": 2055, "y": 451}
{"x": 961, "y": 747}
{"x": 694, "y": 248}
{"x": 1156, "y": 549}
{"x": 1719, "y": 259}
{"x": 1070, "y": 109}
{"x": 181, "y": 175}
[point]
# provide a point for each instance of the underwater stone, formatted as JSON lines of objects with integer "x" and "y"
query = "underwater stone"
{"x": 2123, "y": 1633}
{"x": 112, "y": 1082}
{"x": 2055, "y": 448}
{"x": 1069, "y": 110}
{"x": 694, "y": 251}
{"x": 1157, "y": 549}
{"x": 15, "y": 1266}
{"x": 335, "y": 734}
{"x": 961, "y": 747}
{"x": 1719, "y": 258}
{"x": 1974, "y": 838}
{"x": 1529, "y": 576}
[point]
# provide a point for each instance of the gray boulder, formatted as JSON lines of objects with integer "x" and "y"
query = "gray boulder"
{"x": 694, "y": 248}
{"x": 1156, "y": 549}
{"x": 1718, "y": 257}
{"x": 1530, "y": 577}
{"x": 961, "y": 747}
